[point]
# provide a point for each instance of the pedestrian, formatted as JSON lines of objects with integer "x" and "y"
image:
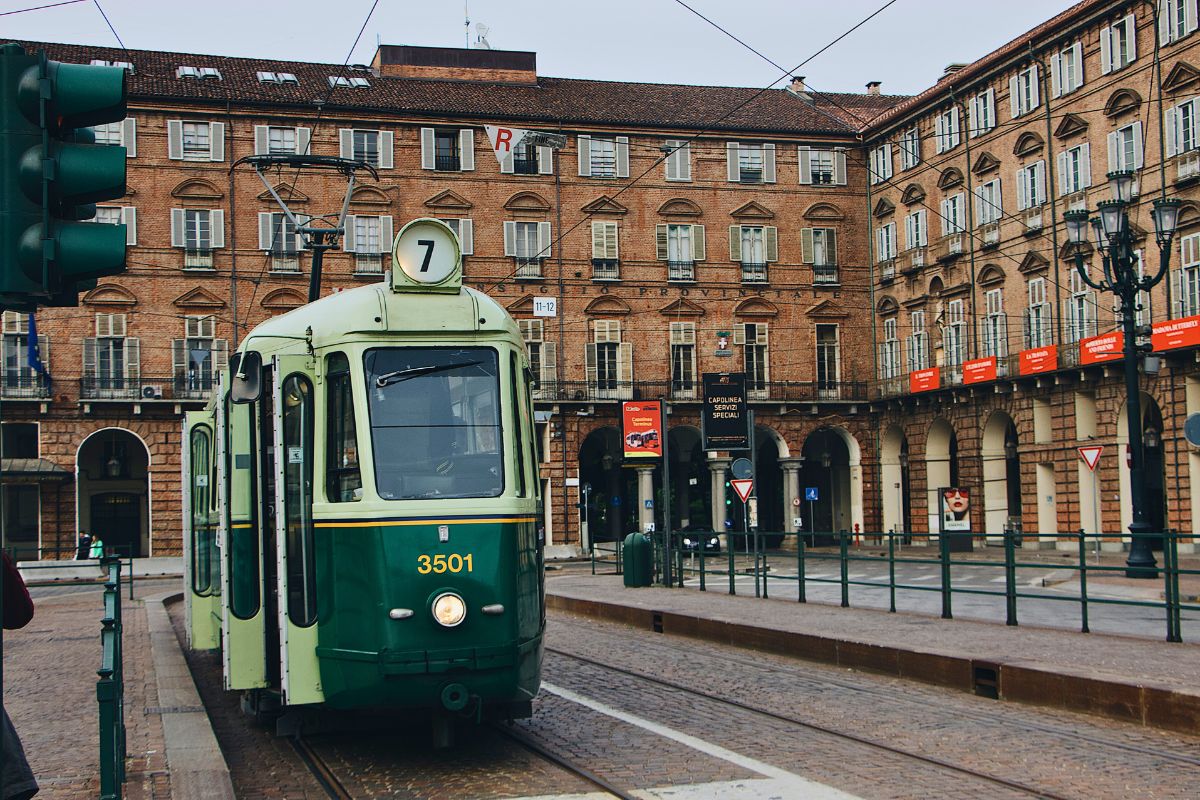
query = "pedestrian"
{"x": 97, "y": 550}
{"x": 84, "y": 549}
{"x": 19, "y": 783}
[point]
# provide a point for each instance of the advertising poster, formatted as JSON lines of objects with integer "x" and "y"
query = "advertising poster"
{"x": 1039, "y": 359}
{"x": 956, "y": 509}
{"x": 641, "y": 428}
{"x": 1172, "y": 333}
{"x": 980, "y": 370}
{"x": 924, "y": 380}
{"x": 724, "y": 414}
{"x": 1098, "y": 349}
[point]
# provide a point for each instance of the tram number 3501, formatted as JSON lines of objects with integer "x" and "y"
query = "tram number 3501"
{"x": 440, "y": 563}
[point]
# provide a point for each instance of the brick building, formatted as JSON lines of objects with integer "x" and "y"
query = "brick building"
{"x": 682, "y": 230}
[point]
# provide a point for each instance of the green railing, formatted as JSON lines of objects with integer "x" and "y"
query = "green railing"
{"x": 110, "y": 689}
{"x": 607, "y": 557}
{"x": 791, "y": 556}
{"x": 61, "y": 558}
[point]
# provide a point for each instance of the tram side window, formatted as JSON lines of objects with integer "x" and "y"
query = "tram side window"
{"x": 203, "y": 535}
{"x": 343, "y": 481}
{"x": 297, "y": 455}
{"x": 518, "y": 422}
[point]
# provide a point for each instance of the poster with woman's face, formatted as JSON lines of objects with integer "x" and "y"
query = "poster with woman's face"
{"x": 956, "y": 509}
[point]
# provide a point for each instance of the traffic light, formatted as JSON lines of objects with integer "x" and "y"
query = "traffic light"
{"x": 728, "y": 493}
{"x": 51, "y": 172}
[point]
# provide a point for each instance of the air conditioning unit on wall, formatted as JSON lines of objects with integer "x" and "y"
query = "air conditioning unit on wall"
{"x": 152, "y": 391}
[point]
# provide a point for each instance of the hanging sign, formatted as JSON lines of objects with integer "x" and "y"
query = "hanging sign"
{"x": 1091, "y": 455}
{"x": 980, "y": 370}
{"x": 642, "y": 428}
{"x": 1039, "y": 359}
{"x": 724, "y": 411}
{"x": 1105, "y": 347}
{"x": 1172, "y": 333}
{"x": 924, "y": 380}
{"x": 504, "y": 141}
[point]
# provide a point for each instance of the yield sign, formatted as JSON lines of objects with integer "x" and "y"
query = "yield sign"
{"x": 1091, "y": 455}
{"x": 742, "y": 486}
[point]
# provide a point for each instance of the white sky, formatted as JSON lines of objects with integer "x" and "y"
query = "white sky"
{"x": 906, "y": 46}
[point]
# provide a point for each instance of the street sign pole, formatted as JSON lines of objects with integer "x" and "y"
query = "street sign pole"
{"x": 1090, "y": 456}
{"x": 668, "y": 563}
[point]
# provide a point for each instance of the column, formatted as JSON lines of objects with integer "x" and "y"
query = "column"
{"x": 717, "y": 469}
{"x": 645, "y": 484}
{"x": 791, "y": 493}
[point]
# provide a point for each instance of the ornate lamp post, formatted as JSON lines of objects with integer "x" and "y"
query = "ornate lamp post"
{"x": 1114, "y": 243}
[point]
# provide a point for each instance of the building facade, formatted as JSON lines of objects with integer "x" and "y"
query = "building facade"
{"x": 859, "y": 256}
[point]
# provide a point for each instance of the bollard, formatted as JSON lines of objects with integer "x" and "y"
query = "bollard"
{"x": 944, "y": 552}
{"x": 1171, "y": 594}
{"x": 1083, "y": 599}
{"x": 729, "y": 541}
{"x": 1010, "y": 577}
{"x": 801, "y": 595}
{"x": 845, "y": 555}
{"x": 892, "y": 571}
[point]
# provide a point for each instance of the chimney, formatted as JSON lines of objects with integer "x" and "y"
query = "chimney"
{"x": 798, "y": 88}
{"x": 873, "y": 88}
{"x": 951, "y": 69}
{"x": 456, "y": 64}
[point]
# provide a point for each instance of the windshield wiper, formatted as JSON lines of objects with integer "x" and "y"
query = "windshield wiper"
{"x": 388, "y": 378}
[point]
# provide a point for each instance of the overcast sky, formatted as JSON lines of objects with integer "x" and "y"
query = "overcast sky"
{"x": 906, "y": 46}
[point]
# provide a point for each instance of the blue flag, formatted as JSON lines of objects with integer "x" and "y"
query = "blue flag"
{"x": 34, "y": 353}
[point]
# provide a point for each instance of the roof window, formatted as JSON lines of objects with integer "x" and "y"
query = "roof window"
{"x": 277, "y": 77}
{"x": 199, "y": 73}
{"x": 350, "y": 83}
{"x": 100, "y": 62}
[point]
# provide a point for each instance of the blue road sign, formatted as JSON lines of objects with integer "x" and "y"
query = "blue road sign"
{"x": 810, "y": 493}
{"x": 649, "y": 504}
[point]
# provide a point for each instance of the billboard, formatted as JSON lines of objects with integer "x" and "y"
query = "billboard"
{"x": 641, "y": 428}
{"x": 1172, "y": 333}
{"x": 980, "y": 370}
{"x": 924, "y": 380}
{"x": 724, "y": 415}
{"x": 1105, "y": 347}
{"x": 1039, "y": 359}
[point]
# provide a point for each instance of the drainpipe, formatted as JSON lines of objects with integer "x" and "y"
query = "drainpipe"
{"x": 233, "y": 298}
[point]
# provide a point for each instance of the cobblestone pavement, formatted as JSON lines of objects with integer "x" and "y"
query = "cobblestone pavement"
{"x": 50, "y": 693}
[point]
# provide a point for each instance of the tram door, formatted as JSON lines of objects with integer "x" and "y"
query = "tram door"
{"x": 264, "y": 449}
{"x": 295, "y": 559}
{"x": 200, "y": 555}
{"x": 242, "y": 622}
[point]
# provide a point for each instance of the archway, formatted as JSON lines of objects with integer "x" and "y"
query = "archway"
{"x": 941, "y": 467}
{"x": 769, "y": 448}
{"x": 113, "y": 491}
{"x": 833, "y": 466}
{"x": 608, "y": 490}
{"x": 1154, "y": 468}
{"x": 894, "y": 489}
{"x": 691, "y": 505}
{"x": 1001, "y": 475}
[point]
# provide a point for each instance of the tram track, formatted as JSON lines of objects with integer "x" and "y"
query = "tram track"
{"x": 540, "y": 749}
{"x": 319, "y": 768}
{"x": 861, "y": 740}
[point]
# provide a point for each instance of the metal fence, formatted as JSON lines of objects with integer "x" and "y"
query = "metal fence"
{"x": 110, "y": 689}
{"x": 773, "y": 565}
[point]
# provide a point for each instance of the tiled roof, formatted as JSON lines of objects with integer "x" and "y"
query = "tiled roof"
{"x": 569, "y": 102}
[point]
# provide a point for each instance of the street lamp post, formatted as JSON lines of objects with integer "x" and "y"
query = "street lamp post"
{"x": 1114, "y": 242}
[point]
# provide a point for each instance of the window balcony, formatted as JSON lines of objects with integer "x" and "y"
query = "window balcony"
{"x": 197, "y": 259}
{"x": 991, "y": 234}
{"x": 447, "y": 163}
{"x": 24, "y": 385}
{"x": 606, "y": 269}
{"x": 894, "y": 386}
{"x": 887, "y": 270}
{"x": 1077, "y": 201}
{"x": 684, "y": 390}
{"x": 753, "y": 272}
{"x": 525, "y": 166}
{"x": 681, "y": 270}
{"x": 1033, "y": 219}
{"x": 174, "y": 389}
{"x": 285, "y": 262}
{"x": 193, "y": 387}
{"x": 825, "y": 275}
{"x": 368, "y": 264}
{"x": 1187, "y": 166}
{"x": 528, "y": 268}
{"x": 746, "y": 175}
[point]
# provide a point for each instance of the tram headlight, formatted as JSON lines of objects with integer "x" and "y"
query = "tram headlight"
{"x": 449, "y": 609}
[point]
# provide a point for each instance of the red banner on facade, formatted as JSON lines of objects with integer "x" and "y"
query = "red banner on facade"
{"x": 980, "y": 370}
{"x": 641, "y": 422}
{"x": 1039, "y": 359}
{"x": 1172, "y": 333}
{"x": 1105, "y": 347}
{"x": 924, "y": 380}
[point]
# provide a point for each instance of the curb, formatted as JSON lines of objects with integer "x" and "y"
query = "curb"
{"x": 194, "y": 759}
{"x": 1152, "y": 705}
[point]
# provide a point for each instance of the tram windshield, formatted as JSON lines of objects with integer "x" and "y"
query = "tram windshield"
{"x": 435, "y": 422}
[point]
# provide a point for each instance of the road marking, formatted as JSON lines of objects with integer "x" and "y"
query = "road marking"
{"x": 795, "y": 785}
{"x": 923, "y": 578}
{"x": 1001, "y": 579}
{"x": 750, "y": 789}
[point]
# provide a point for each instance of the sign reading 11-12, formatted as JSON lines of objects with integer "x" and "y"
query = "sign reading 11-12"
{"x": 545, "y": 307}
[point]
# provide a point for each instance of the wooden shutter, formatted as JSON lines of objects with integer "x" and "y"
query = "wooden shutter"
{"x": 428, "y": 149}
{"x": 466, "y": 146}
{"x": 216, "y": 141}
{"x": 1171, "y": 126}
{"x": 545, "y": 157}
{"x": 1022, "y": 189}
{"x": 1137, "y": 145}
{"x": 1086, "y": 159}
{"x": 698, "y": 253}
{"x": 217, "y": 223}
{"x": 133, "y": 360}
{"x": 589, "y": 363}
{"x": 1106, "y": 54}
{"x": 303, "y": 141}
{"x": 1035, "y": 87}
{"x": 129, "y": 220}
{"x": 768, "y": 163}
{"x": 346, "y": 143}
{"x": 598, "y": 239}
{"x": 89, "y": 357}
{"x": 945, "y": 216}
{"x": 549, "y": 376}
{"x": 1014, "y": 96}
{"x": 1131, "y": 37}
{"x": 604, "y": 240}
{"x": 805, "y": 157}
{"x": 179, "y": 358}
{"x": 807, "y": 256}
{"x": 625, "y": 370}
{"x": 264, "y": 230}
{"x": 771, "y": 241}
{"x": 585, "y": 155}
{"x": 385, "y": 234}
{"x": 1040, "y": 183}
{"x": 732, "y": 167}
{"x": 510, "y": 238}
{"x": 622, "y": 148}
{"x": 177, "y": 223}
{"x": 1164, "y": 23}
{"x": 129, "y": 136}
{"x": 939, "y": 132}
{"x": 220, "y": 353}
{"x": 175, "y": 139}
{"x": 466, "y": 236}
{"x": 830, "y": 246}
{"x": 262, "y": 140}
{"x": 606, "y": 330}
{"x": 839, "y": 166}
{"x": 350, "y": 240}
{"x": 1059, "y": 80}
{"x": 662, "y": 250}
{"x": 544, "y": 240}
{"x": 683, "y": 333}
{"x": 386, "y": 150}
{"x": 735, "y": 242}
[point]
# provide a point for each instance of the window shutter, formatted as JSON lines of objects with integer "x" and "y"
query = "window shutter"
{"x": 698, "y": 253}
{"x": 887, "y": 161}
{"x": 939, "y": 133}
{"x": 732, "y": 167}
{"x": 622, "y": 148}
{"x": 466, "y": 236}
{"x": 1086, "y": 159}
{"x": 549, "y": 376}
{"x": 177, "y": 222}
{"x": 385, "y": 234}
{"x": 839, "y": 166}
{"x": 510, "y": 238}
{"x": 264, "y": 230}
{"x": 683, "y": 157}
{"x": 466, "y": 146}
{"x": 598, "y": 237}
{"x": 1023, "y": 189}
{"x": 89, "y": 357}
{"x": 133, "y": 359}
{"x": 220, "y": 352}
{"x": 768, "y": 163}
{"x": 805, "y": 153}
{"x": 1131, "y": 36}
{"x": 544, "y": 240}
{"x": 1137, "y": 145}
{"x": 175, "y": 139}
{"x": 1075, "y": 76}
{"x": 1064, "y": 184}
{"x": 1189, "y": 15}
{"x": 830, "y": 246}
{"x": 346, "y": 143}
{"x": 945, "y": 216}
{"x": 545, "y": 157}
{"x": 350, "y": 242}
{"x": 129, "y": 136}
{"x": 1106, "y": 61}
{"x": 1114, "y": 151}
{"x": 739, "y": 333}
{"x": 217, "y": 220}
{"x": 129, "y": 220}
{"x": 301, "y": 219}
{"x": 507, "y": 165}
{"x": 806, "y": 246}
{"x": 1040, "y": 183}
{"x": 589, "y": 363}
{"x": 625, "y": 370}
{"x": 585, "y": 155}
{"x": 262, "y": 140}
{"x": 216, "y": 134}
{"x": 44, "y": 351}
{"x": 955, "y": 126}
{"x": 303, "y": 141}
{"x": 386, "y": 150}
{"x": 428, "y": 149}
{"x": 1164, "y": 22}
{"x": 771, "y": 239}
{"x": 179, "y": 357}
{"x": 1036, "y": 87}
{"x": 1171, "y": 124}
{"x": 662, "y": 252}
{"x": 735, "y": 242}
{"x": 1013, "y": 97}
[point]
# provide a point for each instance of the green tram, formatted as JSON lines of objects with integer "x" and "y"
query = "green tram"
{"x": 363, "y": 497}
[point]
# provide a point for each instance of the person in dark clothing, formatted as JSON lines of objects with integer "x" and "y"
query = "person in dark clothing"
{"x": 84, "y": 550}
{"x": 19, "y": 783}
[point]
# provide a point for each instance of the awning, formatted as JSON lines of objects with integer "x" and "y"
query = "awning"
{"x": 38, "y": 469}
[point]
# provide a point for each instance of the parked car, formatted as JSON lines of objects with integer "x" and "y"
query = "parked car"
{"x": 693, "y": 537}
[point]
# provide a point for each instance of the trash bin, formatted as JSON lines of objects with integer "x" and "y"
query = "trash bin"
{"x": 638, "y": 560}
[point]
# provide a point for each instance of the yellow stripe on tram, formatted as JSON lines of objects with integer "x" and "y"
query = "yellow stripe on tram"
{"x": 242, "y": 525}
{"x": 403, "y": 522}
